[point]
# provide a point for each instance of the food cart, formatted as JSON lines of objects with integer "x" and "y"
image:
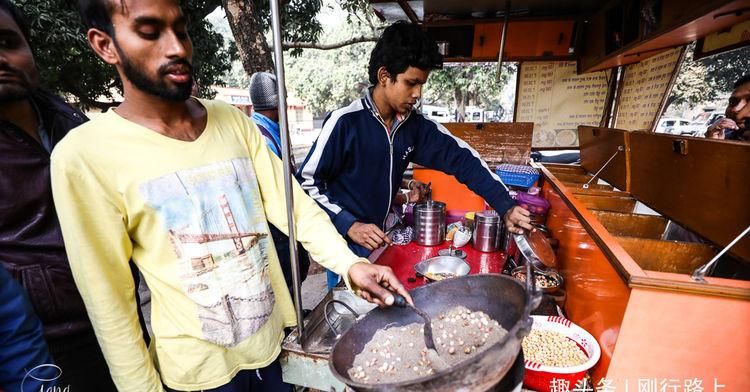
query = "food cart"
{"x": 594, "y": 76}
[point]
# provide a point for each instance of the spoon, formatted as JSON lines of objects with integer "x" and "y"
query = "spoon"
{"x": 432, "y": 354}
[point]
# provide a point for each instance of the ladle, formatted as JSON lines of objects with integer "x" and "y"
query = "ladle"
{"x": 432, "y": 354}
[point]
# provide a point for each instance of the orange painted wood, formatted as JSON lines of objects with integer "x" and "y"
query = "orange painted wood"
{"x": 540, "y": 39}
{"x": 596, "y": 293}
{"x": 672, "y": 335}
{"x": 620, "y": 260}
{"x": 672, "y": 327}
{"x": 628, "y": 269}
{"x": 447, "y": 189}
{"x": 597, "y": 147}
{"x": 495, "y": 143}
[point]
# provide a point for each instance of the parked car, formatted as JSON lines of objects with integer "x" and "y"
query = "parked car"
{"x": 672, "y": 125}
{"x": 438, "y": 113}
{"x": 700, "y": 124}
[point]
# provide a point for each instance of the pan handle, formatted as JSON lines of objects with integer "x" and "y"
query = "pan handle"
{"x": 327, "y": 317}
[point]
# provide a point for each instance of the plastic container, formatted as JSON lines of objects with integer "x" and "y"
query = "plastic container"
{"x": 537, "y": 206}
{"x": 539, "y": 377}
{"x": 517, "y": 175}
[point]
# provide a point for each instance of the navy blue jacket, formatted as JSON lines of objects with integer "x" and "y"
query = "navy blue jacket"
{"x": 23, "y": 351}
{"x": 355, "y": 167}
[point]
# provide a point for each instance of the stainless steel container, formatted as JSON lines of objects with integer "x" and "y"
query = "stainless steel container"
{"x": 487, "y": 234}
{"x": 429, "y": 223}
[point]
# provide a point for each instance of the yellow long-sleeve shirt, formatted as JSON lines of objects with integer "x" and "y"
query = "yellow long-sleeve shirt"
{"x": 193, "y": 217}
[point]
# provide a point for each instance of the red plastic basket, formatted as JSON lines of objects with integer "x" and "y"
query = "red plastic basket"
{"x": 540, "y": 377}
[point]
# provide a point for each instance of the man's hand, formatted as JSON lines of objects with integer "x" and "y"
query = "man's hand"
{"x": 417, "y": 191}
{"x": 367, "y": 235}
{"x": 716, "y": 130}
{"x": 375, "y": 283}
{"x": 516, "y": 219}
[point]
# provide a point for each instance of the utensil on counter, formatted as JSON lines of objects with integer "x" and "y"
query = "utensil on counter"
{"x": 437, "y": 266}
{"x": 536, "y": 249}
{"x": 429, "y": 223}
{"x": 451, "y": 251}
{"x": 554, "y": 279}
{"x": 486, "y": 231}
{"x": 462, "y": 237}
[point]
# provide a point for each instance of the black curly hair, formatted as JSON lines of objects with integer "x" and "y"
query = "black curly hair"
{"x": 18, "y": 17}
{"x": 742, "y": 80}
{"x": 403, "y": 45}
{"x": 97, "y": 14}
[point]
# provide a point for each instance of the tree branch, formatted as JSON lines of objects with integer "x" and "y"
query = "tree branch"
{"x": 313, "y": 45}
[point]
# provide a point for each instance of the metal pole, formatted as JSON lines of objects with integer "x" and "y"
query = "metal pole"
{"x": 700, "y": 273}
{"x": 586, "y": 185}
{"x": 287, "y": 160}
{"x": 503, "y": 33}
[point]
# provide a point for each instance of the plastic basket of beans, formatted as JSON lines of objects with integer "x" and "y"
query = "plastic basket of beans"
{"x": 556, "y": 350}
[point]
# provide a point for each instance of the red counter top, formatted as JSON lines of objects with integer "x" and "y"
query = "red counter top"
{"x": 401, "y": 258}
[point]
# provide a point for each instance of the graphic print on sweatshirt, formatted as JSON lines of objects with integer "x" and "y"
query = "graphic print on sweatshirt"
{"x": 216, "y": 223}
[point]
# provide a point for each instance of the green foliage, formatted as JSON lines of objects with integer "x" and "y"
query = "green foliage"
{"x": 65, "y": 61}
{"x": 68, "y": 66}
{"x": 726, "y": 68}
{"x": 297, "y": 18}
{"x": 692, "y": 86}
{"x": 212, "y": 56}
{"x": 458, "y": 85}
{"x": 700, "y": 81}
{"x": 327, "y": 80}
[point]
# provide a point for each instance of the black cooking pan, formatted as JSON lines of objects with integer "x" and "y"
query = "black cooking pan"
{"x": 503, "y": 298}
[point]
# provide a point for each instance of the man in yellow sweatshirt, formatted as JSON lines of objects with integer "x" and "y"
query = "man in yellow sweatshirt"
{"x": 184, "y": 187}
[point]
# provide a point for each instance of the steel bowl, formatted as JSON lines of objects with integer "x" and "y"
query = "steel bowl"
{"x": 549, "y": 274}
{"x": 449, "y": 265}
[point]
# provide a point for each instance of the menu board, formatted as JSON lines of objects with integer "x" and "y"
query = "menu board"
{"x": 557, "y": 101}
{"x": 643, "y": 87}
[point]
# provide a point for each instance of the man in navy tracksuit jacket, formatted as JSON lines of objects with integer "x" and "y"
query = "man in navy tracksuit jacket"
{"x": 355, "y": 167}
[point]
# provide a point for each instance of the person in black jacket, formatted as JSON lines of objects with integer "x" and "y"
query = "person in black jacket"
{"x": 31, "y": 244}
{"x": 356, "y": 165}
{"x": 25, "y": 364}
